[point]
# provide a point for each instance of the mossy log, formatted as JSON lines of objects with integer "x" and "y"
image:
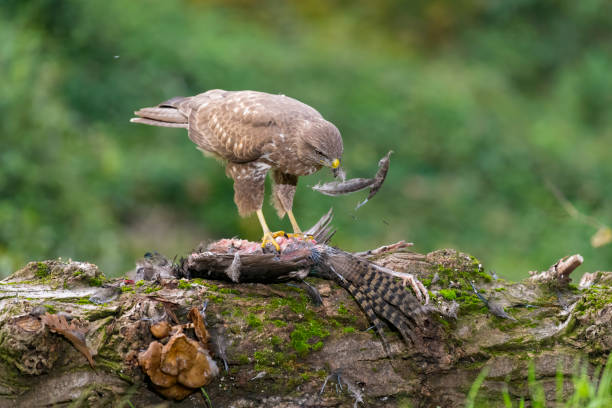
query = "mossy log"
{"x": 280, "y": 348}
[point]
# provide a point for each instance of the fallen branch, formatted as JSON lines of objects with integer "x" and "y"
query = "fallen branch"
{"x": 560, "y": 271}
{"x": 278, "y": 346}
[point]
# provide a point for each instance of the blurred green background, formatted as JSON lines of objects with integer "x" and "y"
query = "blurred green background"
{"x": 480, "y": 100}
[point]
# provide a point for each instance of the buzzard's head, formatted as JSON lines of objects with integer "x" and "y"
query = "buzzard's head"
{"x": 320, "y": 144}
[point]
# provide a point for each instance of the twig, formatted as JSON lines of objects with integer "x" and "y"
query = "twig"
{"x": 560, "y": 271}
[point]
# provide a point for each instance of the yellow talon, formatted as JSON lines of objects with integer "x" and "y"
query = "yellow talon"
{"x": 269, "y": 237}
{"x": 300, "y": 235}
{"x": 278, "y": 234}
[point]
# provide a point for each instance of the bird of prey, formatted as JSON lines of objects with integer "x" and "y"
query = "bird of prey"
{"x": 253, "y": 133}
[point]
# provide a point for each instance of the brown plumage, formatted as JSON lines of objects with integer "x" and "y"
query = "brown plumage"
{"x": 253, "y": 133}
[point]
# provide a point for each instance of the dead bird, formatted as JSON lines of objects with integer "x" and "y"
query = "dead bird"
{"x": 379, "y": 178}
{"x": 336, "y": 188}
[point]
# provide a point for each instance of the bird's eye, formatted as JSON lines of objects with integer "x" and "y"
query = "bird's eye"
{"x": 318, "y": 152}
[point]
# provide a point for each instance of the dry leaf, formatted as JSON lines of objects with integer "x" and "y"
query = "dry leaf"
{"x": 602, "y": 237}
{"x": 75, "y": 334}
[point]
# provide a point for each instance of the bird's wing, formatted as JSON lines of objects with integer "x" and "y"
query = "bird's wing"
{"x": 237, "y": 126}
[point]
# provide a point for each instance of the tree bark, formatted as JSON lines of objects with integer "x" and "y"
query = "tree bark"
{"x": 281, "y": 348}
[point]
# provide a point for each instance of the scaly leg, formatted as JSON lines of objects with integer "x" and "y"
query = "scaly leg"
{"x": 297, "y": 232}
{"x": 267, "y": 235}
{"x": 283, "y": 191}
{"x": 294, "y": 224}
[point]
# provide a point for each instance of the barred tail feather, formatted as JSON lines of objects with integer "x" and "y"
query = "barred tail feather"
{"x": 152, "y": 122}
{"x": 401, "y": 323}
{"x": 368, "y": 307}
{"x": 161, "y": 116}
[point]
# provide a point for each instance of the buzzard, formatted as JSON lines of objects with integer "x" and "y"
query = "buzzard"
{"x": 253, "y": 133}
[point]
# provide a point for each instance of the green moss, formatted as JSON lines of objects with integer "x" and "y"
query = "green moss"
{"x": 445, "y": 275}
{"x": 96, "y": 281}
{"x": 477, "y": 273}
{"x": 594, "y": 298}
{"x": 271, "y": 361}
{"x": 507, "y": 324}
{"x": 215, "y": 298}
{"x": 342, "y": 310}
{"x": 242, "y": 359}
{"x": 335, "y": 323}
{"x": 114, "y": 367}
{"x": 253, "y": 321}
{"x": 296, "y": 304}
{"x": 100, "y": 313}
{"x": 470, "y": 303}
{"x": 127, "y": 288}
{"x": 50, "y": 308}
{"x": 42, "y": 270}
{"x": 151, "y": 289}
{"x": 443, "y": 322}
{"x": 84, "y": 301}
{"x": 228, "y": 290}
{"x": 23, "y": 282}
{"x": 208, "y": 285}
{"x": 184, "y": 284}
{"x": 448, "y": 294}
{"x": 237, "y": 312}
{"x": 78, "y": 273}
{"x": 279, "y": 323}
{"x": 348, "y": 330}
{"x": 307, "y": 335}
{"x": 276, "y": 341}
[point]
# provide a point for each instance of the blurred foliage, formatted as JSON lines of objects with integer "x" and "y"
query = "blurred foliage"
{"x": 481, "y": 102}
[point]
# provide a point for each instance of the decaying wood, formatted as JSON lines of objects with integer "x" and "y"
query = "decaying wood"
{"x": 372, "y": 285}
{"x": 280, "y": 347}
{"x": 559, "y": 273}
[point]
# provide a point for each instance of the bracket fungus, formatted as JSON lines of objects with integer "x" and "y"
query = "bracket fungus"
{"x": 182, "y": 365}
{"x": 161, "y": 329}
